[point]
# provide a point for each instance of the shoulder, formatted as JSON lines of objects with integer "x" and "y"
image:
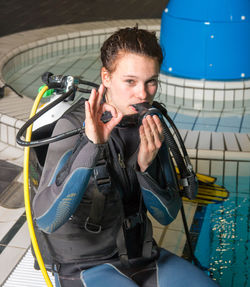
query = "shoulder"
{"x": 76, "y": 113}
{"x": 72, "y": 119}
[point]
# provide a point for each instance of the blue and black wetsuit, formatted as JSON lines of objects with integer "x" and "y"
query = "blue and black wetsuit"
{"x": 116, "y": 249}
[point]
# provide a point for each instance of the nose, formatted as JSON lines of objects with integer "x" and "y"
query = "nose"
{"x": 142, "y": 92}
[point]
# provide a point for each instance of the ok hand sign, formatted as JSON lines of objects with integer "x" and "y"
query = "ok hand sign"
{"x": 97, "y": 131}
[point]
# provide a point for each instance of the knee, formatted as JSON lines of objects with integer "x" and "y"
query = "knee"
{"x": 176, "y": 271}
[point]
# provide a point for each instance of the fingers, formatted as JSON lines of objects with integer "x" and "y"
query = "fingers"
{"x": 95, "y": 98}
{"x": 151, "y": 136}
{"x": 152, "y": 131}
{"x": 95, "y": 129}
{"x": 159, "y": 126}
{"x": 116, "y": 115}
{"x": 142, "y": 135}
{"x": 87, "y": 109}
{"x": 108, "y": 108}
{"x": 96, "y": 105}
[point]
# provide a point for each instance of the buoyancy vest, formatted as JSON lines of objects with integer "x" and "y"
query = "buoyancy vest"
{"x": 101, "y": 227}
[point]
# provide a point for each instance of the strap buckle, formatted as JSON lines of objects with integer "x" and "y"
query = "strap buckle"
{"x": 102, "y": 178}
{"x": 190, "y": 185}
{"x": 55, "y": 267}
{"x": 132, "y": 220}
{"x": 92, "y": 227}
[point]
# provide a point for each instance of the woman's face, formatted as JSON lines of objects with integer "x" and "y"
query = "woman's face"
{"x": 134, "y": 80}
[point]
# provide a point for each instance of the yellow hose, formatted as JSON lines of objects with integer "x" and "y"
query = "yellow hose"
{"x": 26, "y": 191}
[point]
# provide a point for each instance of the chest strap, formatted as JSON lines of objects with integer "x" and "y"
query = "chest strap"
{"x": 102, "y": 187}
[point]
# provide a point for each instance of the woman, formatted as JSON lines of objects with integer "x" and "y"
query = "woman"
{"x": 90, "y": 209}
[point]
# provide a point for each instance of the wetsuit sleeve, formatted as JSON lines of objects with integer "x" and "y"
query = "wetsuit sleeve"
{"x": 68, "y": 167}
{"x": 160, "y": 188}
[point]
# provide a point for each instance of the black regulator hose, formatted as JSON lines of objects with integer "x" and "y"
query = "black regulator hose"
{"x": 188, "y": 172}
{"x": 176, "y": 131}
{"x": 39, "y": 114}
{"x": 60, "y": 83}
{"x": 188, "y": 177}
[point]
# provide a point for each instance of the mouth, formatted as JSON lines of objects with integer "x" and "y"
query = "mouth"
{"x": 133, "y": 108}
{"x": 141, "y": 107}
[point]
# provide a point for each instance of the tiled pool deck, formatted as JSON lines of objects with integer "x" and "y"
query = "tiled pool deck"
{"x": 211, "y": 151}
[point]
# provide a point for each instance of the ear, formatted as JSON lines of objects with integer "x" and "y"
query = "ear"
{"x": 106, "y": 77}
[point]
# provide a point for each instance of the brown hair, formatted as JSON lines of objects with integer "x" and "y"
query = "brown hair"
{"x": 131, "y": 40}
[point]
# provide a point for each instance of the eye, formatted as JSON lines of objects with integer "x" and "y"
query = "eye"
{"x": 130, "y": 81}
{"x": 152, "y": 82}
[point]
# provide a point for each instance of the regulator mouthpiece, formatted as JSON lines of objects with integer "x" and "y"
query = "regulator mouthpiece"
{"x": 145, "y": 109}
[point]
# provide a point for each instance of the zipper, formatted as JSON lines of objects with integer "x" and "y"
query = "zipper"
{"x": 117, "y": 147}
{"x": 124, "y": 172}
{"x": 121, "y": 161}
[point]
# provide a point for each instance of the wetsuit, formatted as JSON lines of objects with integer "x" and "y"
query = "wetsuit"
{"x": 116, "y": 249}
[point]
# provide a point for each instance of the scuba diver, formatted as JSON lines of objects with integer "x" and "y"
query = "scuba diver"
{"x": 90, "y": 210}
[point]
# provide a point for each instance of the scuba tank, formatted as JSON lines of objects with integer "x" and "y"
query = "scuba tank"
{"x": 66, "y": 87}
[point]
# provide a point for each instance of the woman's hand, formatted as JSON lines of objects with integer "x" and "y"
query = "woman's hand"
{"x": 97, "y": 131}
{"x": 151, "y": 135}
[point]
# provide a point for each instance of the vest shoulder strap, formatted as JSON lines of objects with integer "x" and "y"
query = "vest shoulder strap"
{"x": 76, "y": 113}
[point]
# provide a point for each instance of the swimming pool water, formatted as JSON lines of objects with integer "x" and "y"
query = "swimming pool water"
{"x": 224, "y": 241}
{"x": 214, "y": 121}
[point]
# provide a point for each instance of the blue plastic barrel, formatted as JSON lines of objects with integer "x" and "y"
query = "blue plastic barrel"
{"x": 206, "y": 39}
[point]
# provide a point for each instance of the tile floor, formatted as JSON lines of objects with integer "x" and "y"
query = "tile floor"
{"x": 14, "y": 238}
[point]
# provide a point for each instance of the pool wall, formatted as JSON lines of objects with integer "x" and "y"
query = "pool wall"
{"x": 204, "y": 94}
